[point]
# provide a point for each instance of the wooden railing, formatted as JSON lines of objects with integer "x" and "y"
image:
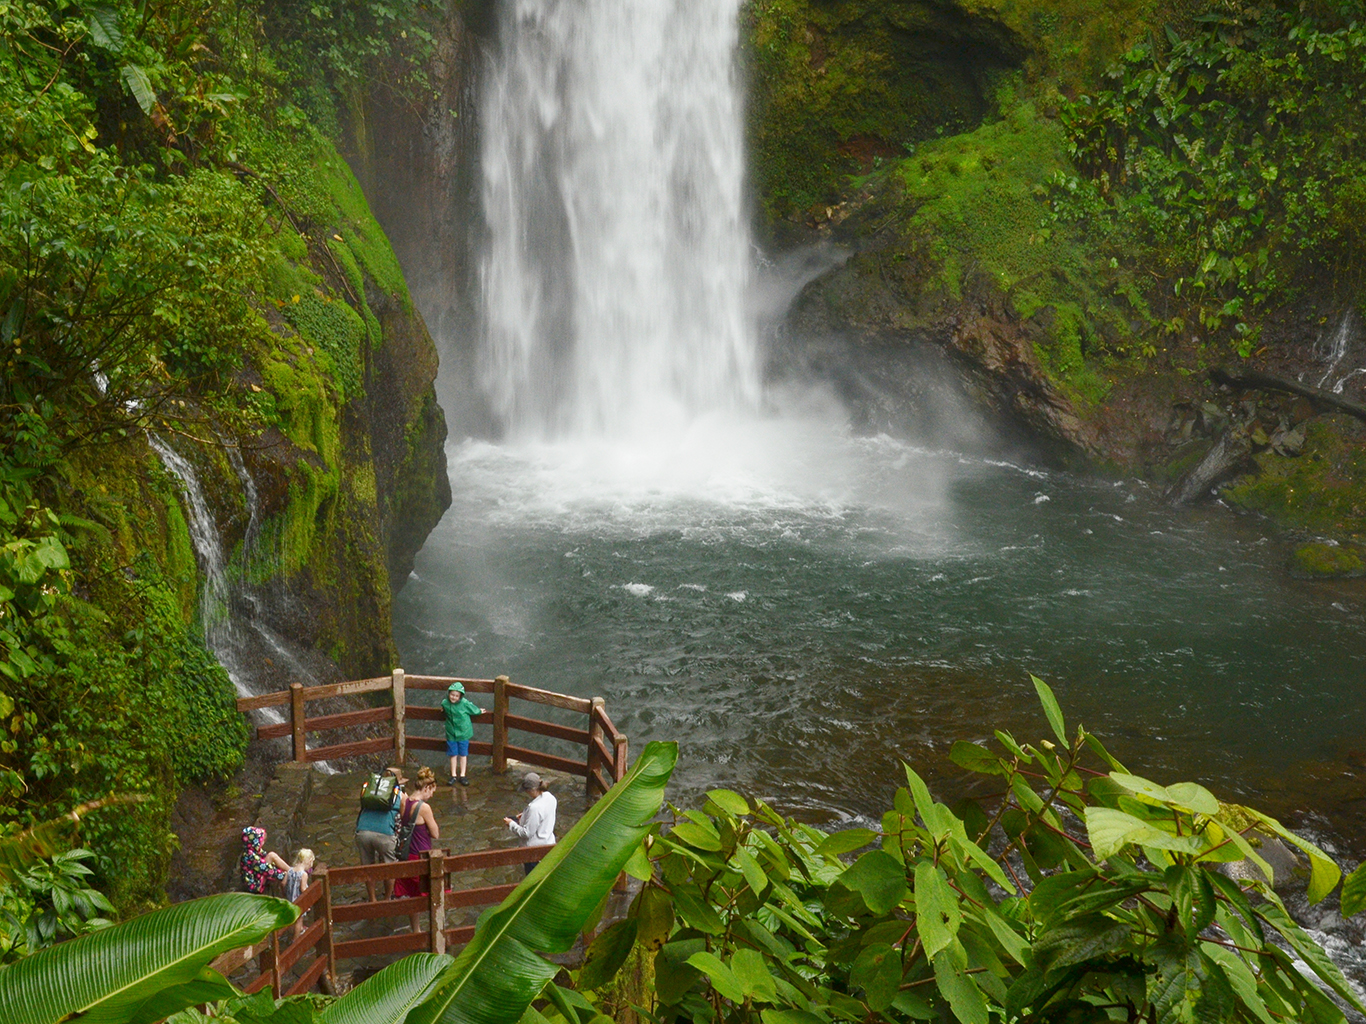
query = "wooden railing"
{"x": 605, "y": 749}
{"x": 292, "y": 965}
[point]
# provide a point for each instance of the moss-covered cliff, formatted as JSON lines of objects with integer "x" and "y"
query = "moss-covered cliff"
{"x": 218, "y": 416}
{"x": 1088, "y": 206}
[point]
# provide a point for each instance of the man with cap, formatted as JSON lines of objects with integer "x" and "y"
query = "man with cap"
{"x": 459, "y": 729}
{"x": 536, "y": 824}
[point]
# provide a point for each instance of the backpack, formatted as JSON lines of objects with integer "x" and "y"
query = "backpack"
{"x": 378, "y": 794}
{"x": 403, "y": 838}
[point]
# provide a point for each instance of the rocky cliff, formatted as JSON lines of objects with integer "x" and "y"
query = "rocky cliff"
{"x": 1083, "y": 209}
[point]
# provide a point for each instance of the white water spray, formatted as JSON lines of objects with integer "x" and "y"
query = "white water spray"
{"x": 615, "y": 278}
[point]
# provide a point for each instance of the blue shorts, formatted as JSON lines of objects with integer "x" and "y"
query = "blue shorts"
{"x": 457, "y": 748}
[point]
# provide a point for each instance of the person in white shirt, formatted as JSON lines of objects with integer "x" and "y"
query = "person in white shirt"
{"x": 536, "y": 824}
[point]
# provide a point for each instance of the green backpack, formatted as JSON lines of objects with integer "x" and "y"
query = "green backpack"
{"x": 378, "y": 794}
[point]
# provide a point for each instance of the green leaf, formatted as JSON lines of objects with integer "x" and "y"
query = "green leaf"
{"x": 110, "y": 974}
{"x": 1324, "y": 873}
{"x": 731, "y": 803}
{"x": 936, "y": 906}
{"x": 976, "y": 758}
{"x": 1193, "y": 797}
{"x": 1354, "y": 892}
{"x": 966, "y": 1000}
{"x": 851, "y": 839}
{"x": 674, "y": 978}
{"x": 1308, "y": 950}
{"x": 752, "y": 871}
{"x": 1050, "y": 709}
{"x": 638, "y": 866}
{"x": 879, "y": 880}
{"x": 697, "y": 912}
{"x": 136, "y": 80}
{"x": 386, "y": 997}
{"x": 654, "y": 915}
{"x": 1240, "y": 978}
{"x": 1190, "y": 888}
{"x": 696, "y": 836}
{"x": 607, "y": 953}
{"x": 1078, "y": 940}
{"x": 877, "y": 970}
{"x": 770, "y": 1016}
{"x": 720, "y": 976}
{"x": 752, "y": 973}
{"x": 1110, "y": 830}
{"x": 104, "y": 29}
{"x": 500, "y": 972}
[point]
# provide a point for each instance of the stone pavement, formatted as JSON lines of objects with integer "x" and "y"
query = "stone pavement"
{"x": 305, "y": 805}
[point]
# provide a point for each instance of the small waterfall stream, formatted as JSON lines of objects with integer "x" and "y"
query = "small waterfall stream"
{"x": 1338, "y": 348}
{"x": 225, "y": 632}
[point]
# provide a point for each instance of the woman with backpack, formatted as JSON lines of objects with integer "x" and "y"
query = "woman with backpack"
{"x": 417, "y": 828}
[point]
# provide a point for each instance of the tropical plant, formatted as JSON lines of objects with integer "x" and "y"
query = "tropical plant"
{"x": 142, "y": 970}
{"x": 157, "y": 965}
{"x": 1227, "y": 161}
{"x": 48, "y": 902}
{"x": 1080, "y": 893}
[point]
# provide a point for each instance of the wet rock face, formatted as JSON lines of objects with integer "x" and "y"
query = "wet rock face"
{"x": 899, "y": 353}
{"x": 417, "y": 162}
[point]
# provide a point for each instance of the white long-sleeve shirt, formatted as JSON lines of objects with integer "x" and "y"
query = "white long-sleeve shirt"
{"x": 536, "y": 824}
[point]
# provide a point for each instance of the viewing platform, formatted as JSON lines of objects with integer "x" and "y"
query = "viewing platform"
{"x": 476, "y": 861}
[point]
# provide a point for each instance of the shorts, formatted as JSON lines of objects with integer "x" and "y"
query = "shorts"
{"x": 457, "y": 748}
{"x": 375, "y": 847}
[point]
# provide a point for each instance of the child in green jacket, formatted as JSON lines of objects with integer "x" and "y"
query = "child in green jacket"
{"x": 459, "y": 729}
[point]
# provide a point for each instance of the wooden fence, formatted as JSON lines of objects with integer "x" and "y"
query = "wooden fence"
{"x": 605, "y": 749}
{"x": 291, "y": 965}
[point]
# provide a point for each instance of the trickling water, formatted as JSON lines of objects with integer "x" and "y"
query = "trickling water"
{"x": 1338, "y": 348}
{"x": 215, "y": 594}
{"x": 222, "y": 631}
{"x": 614, "y": 282}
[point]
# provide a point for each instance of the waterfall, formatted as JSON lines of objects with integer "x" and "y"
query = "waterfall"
{"x": 615, "y": 274}
{"x": 223, "y": 633}
{"x": 1338, "y": 347}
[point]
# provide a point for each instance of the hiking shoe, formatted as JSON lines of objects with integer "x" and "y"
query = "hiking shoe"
{"x": 464, "y": 780}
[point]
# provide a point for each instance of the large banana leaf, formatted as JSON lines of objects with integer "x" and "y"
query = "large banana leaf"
{"x": 141, "y": 970}
{"x": 495, "y": 977}
{"x": 386, "y": 997}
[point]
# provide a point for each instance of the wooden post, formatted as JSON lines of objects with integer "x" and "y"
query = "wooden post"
{"x": 328, "y": 942}
{"x": 270, "y": 959}
{"x": 400, "y": 707}
{"x": 619, "y": 759}
{"x": 594, "y": 733}
{"x": 436, "y": 899}
{"x": 500, "y": 724}
{"x": 296, "y": 720}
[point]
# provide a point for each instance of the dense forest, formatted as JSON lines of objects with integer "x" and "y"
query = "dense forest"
{"x": 1092, "y": 204}
{"x": 188, "y": 263}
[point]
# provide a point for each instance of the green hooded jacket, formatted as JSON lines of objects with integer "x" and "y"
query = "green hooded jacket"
{"x": 458, "y": 715}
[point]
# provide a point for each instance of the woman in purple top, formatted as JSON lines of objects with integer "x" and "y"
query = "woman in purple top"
{"x": 424, "y": 832}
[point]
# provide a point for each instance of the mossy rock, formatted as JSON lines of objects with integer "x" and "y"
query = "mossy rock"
{"x": 1327, "y": 561}
{"x": 1322, "y": 491}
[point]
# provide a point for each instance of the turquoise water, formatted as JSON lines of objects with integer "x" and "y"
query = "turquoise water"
{"x": 800, "y": 609}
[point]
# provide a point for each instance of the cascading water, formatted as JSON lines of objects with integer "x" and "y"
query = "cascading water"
{"x": 614, "y": 280}
{"x": 222, "y": 631}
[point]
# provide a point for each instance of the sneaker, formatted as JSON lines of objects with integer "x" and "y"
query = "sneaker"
{"x": 452, "y": 782}
{"x": 464, "y": 780}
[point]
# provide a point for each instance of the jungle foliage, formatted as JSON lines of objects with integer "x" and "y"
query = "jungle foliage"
{"x": 163, "y": 204}
{"x": 1079, "y": 892}
{"x": 1228, "y": 161}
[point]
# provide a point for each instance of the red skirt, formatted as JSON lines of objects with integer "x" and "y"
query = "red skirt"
{"x": 412, "y": 886}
